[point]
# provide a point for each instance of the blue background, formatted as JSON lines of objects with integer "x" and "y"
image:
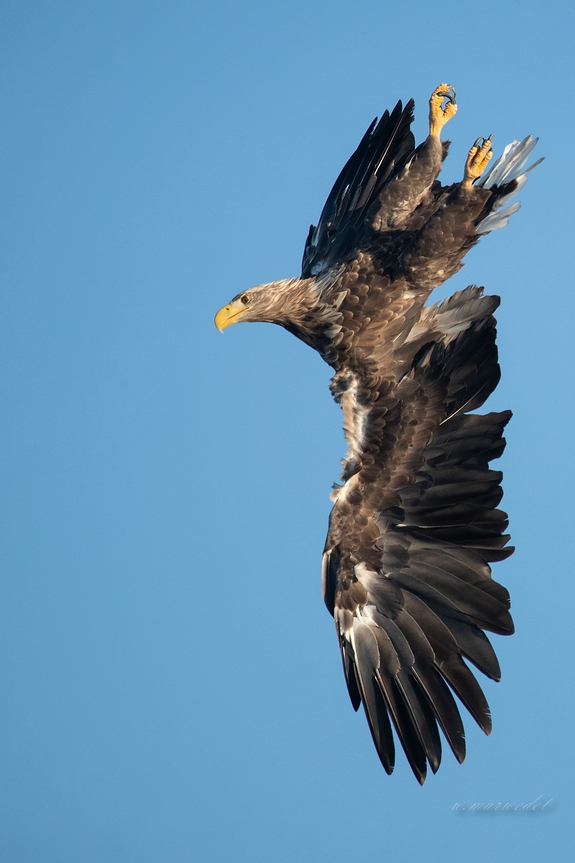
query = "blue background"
{"x": 171, "y": 687}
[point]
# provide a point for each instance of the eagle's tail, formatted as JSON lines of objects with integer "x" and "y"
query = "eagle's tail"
{"x": 506, "y": 178}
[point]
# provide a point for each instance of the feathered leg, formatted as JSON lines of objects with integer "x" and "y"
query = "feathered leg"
{"x": 405, "y": 192}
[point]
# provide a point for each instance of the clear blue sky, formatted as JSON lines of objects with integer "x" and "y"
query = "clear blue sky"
{"x": 171, "y": 688}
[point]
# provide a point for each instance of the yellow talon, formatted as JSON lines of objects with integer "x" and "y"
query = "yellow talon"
{"x": 477, "y": 160}
{"x": 439, "y": 113}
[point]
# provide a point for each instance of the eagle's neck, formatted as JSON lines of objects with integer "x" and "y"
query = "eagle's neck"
{"x": 304, "y": 308}
{"x": 292, "y": 300}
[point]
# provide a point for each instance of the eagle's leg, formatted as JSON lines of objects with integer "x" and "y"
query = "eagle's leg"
{"x": 438, "y": 113}
{"x": 477, "y": 160}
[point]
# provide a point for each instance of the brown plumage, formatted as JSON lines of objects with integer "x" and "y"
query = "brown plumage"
{"x": 415, "y": 523}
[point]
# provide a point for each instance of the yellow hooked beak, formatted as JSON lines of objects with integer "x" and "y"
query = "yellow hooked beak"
{"x": 230, "y": 314}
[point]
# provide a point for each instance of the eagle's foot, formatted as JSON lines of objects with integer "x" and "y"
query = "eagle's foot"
{"x": 440, "y": 111}
{"x": 477, "y": 160}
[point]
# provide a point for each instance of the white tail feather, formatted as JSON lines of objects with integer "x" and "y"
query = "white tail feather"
{"x": 498, "y": 218}
{"x": 509, "y": 166}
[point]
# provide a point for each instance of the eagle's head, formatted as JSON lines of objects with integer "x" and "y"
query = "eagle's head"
{"x": 280, "y": 303}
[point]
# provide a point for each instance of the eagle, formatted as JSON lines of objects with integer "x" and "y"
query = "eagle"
{"x": 415, "y": 523}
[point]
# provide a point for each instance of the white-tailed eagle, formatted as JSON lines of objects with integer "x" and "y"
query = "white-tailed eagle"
{"x": 415, "y": 523}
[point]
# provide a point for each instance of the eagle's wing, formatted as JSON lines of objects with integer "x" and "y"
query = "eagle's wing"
{"x": 412, "y": 533}
{"x": 383, "y": 151}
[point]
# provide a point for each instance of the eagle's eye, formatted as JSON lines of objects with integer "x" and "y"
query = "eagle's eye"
{"x": 244, "y": 299}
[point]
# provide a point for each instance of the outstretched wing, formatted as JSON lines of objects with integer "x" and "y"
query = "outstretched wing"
{"x": 412, "y": 533}
{"x": 383, "y": 151}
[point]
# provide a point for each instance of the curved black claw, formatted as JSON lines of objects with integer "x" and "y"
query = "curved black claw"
{"x": 481, "y": 142}
{"x": 448, "y": 94}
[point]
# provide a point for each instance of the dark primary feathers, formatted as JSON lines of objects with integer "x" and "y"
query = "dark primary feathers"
{"x": 416, "y": 521}
{"x": 381, "y": 154}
